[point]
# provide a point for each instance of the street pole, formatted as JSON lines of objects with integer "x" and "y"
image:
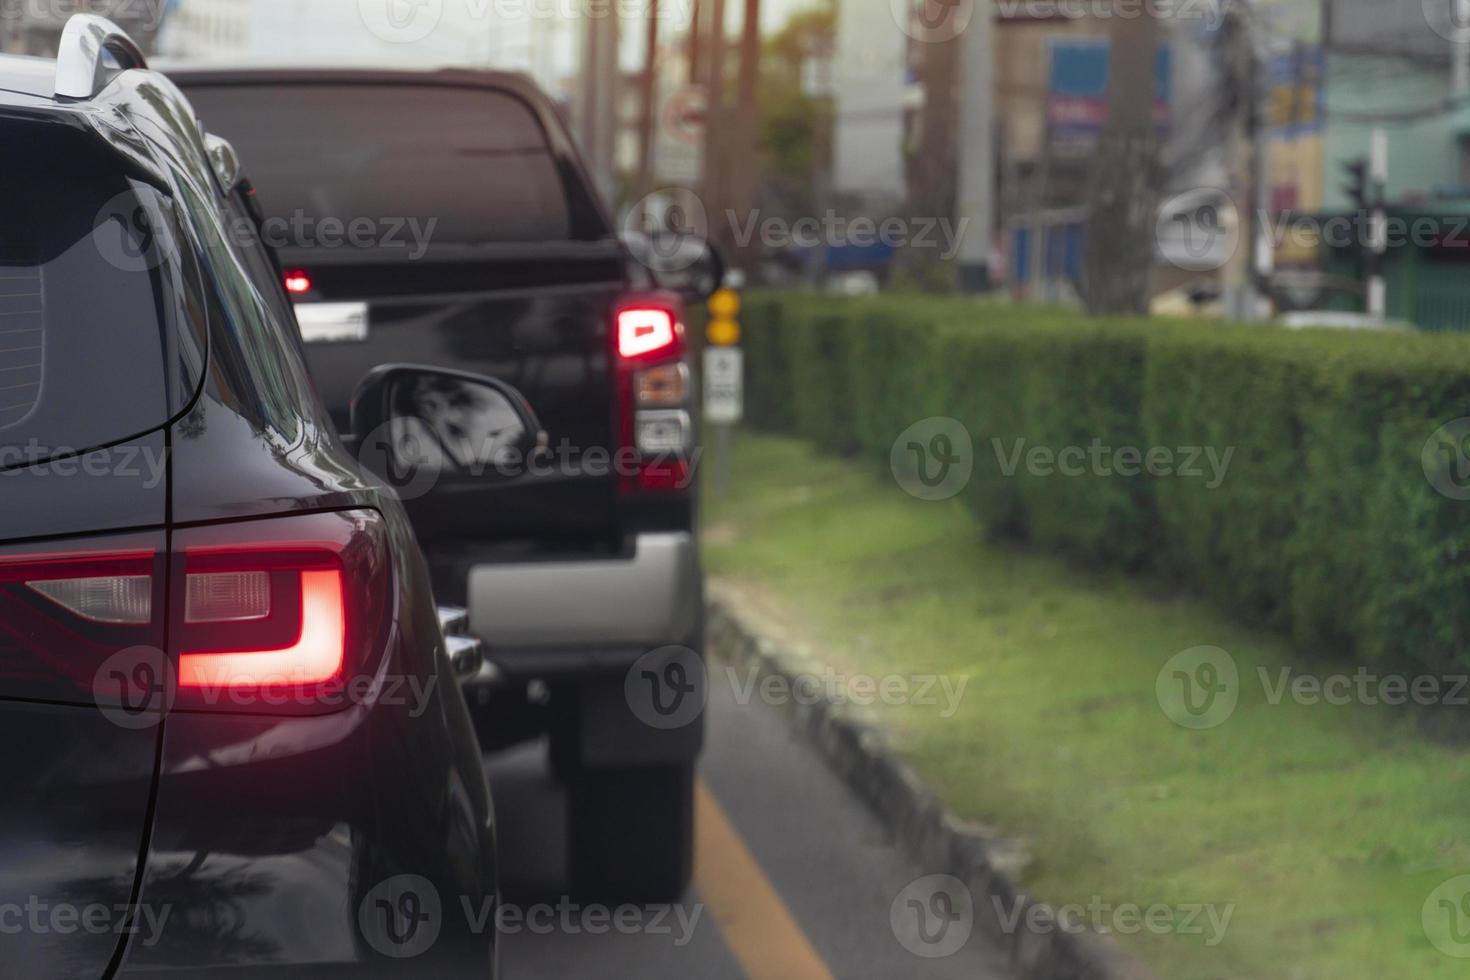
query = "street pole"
{"x": 1264, "y": 248}
{"x": 650, "y": 103}
{"x": 744, "y": 179}
{"x": 597, "y": 118}
{"x": 693, "y": 43}
{"x": 932, "y": 189}
{"x": 1378, "y": 229}
{"x": 1236, "y": 274}
{"x": 976, "y": 152}
{"x": 1462, "y": 48}
{"x": 716, "y": 134}
{"x": 821, "y": 59}
{"x": 1119, "y": 256}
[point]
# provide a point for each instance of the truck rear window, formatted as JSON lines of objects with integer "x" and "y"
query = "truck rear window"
{"x": 83, "y": 332}
{"x": 407, "y": 165}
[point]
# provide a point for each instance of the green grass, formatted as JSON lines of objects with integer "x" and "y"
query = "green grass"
{"x": 1326, "y": 827}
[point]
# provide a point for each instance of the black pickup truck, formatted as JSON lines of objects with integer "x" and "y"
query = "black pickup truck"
{"x": 445, "y": 218}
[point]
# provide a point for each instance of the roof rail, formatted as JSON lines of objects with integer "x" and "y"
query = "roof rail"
{"x": 81, "y": 68}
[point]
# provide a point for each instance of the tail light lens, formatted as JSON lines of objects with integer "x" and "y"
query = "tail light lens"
{"x": 66, "y": 611}
{"x": 279, "y": 615}
{"x": 654, "y": 392}
{"x": 666, "y": 386}
{"x": 647, "y": 330}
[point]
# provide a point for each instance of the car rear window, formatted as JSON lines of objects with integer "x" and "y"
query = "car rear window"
{"x": 387, "y": 166}
{"x": 84, "y": 332}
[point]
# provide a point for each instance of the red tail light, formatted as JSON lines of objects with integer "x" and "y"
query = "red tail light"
{"x": 648, "y": 330}
{"x": 298, "y": 282}
{"x": 654, "y": 414}
{"x": 280, "y": 615}
{"x": 66, "y": 612}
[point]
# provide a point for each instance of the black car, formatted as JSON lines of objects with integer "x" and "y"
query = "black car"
{"x": 445, "y": 218}
{"x": 235, "y": 737}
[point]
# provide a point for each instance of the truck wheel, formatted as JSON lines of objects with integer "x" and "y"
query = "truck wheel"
{"x": 631, "y": 833}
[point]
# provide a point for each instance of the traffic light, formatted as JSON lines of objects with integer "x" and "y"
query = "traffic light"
{"x": 1356, "y": 187}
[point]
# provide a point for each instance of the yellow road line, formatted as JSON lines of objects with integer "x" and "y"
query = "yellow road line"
{"x": 757, "y": 925}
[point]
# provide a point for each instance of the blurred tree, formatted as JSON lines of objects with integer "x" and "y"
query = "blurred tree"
{"x": 794, "y": 116}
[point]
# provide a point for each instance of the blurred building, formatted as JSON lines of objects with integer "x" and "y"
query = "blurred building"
{"x": 337, "y": 31}
{"x": 1394, "y": 65}
{"x": 1403, "y": 69}
{"x": 873, "y": 93}
{"x": 1332, "y": 79}
{"x": 28, "y": 27}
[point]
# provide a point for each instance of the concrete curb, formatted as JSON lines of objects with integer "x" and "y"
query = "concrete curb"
{"x": 861, "y": 753}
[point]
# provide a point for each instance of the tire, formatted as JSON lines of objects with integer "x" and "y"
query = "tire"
{"x": 630, "y": 833}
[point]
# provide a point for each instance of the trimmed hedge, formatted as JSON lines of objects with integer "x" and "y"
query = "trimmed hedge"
{"x": 1326, "y": 523}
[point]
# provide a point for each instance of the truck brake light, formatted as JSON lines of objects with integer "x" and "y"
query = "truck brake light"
{"x": 646, "y": 331}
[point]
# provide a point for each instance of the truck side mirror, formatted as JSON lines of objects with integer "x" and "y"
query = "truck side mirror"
{"x": 408, "y": 419}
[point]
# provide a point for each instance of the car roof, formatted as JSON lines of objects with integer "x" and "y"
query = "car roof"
{"x": 126, "y": 99}
{"x": 248, "y": 74}
{"x": 26, "y": 75}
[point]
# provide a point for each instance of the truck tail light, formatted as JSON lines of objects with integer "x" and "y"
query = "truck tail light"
{"x": 281, "y": 614}
{"x": 654, "y": 393}
{"x": 648, "y": 330}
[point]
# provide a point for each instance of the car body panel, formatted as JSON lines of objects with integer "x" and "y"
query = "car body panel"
{"x": 233, "y": 842}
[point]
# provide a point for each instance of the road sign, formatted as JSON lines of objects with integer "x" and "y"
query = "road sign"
{"x": 685, "y": 113}
{"x": 724, "y": 385}
{"x": 678, "y": 153}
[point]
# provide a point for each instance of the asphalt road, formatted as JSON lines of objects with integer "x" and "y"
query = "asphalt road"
{"x": 794, "y": 879}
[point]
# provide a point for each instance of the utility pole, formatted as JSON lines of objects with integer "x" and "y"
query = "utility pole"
{"x": 1118, "y": 260}
{"x": 1462, "y": 48}
{"x": 598, "y": 107}
{"x": 716, "y": 132}
{"x": 976, "y": 151}
{"x": 932, "y": 187}
{"x": 1377, "y": 299}
{"x": 694, "y": 39}
{"x": 819, "y": 86}
{"x": 650, "y": 105}
{"x": 744, "y": 179}
{"x": 1240, "y": 75}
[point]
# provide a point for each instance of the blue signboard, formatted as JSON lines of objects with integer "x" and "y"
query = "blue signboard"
{"x": 1077, "y": 90}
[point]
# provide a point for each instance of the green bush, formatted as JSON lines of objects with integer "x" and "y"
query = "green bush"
{"x": 1325, "y": 523}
